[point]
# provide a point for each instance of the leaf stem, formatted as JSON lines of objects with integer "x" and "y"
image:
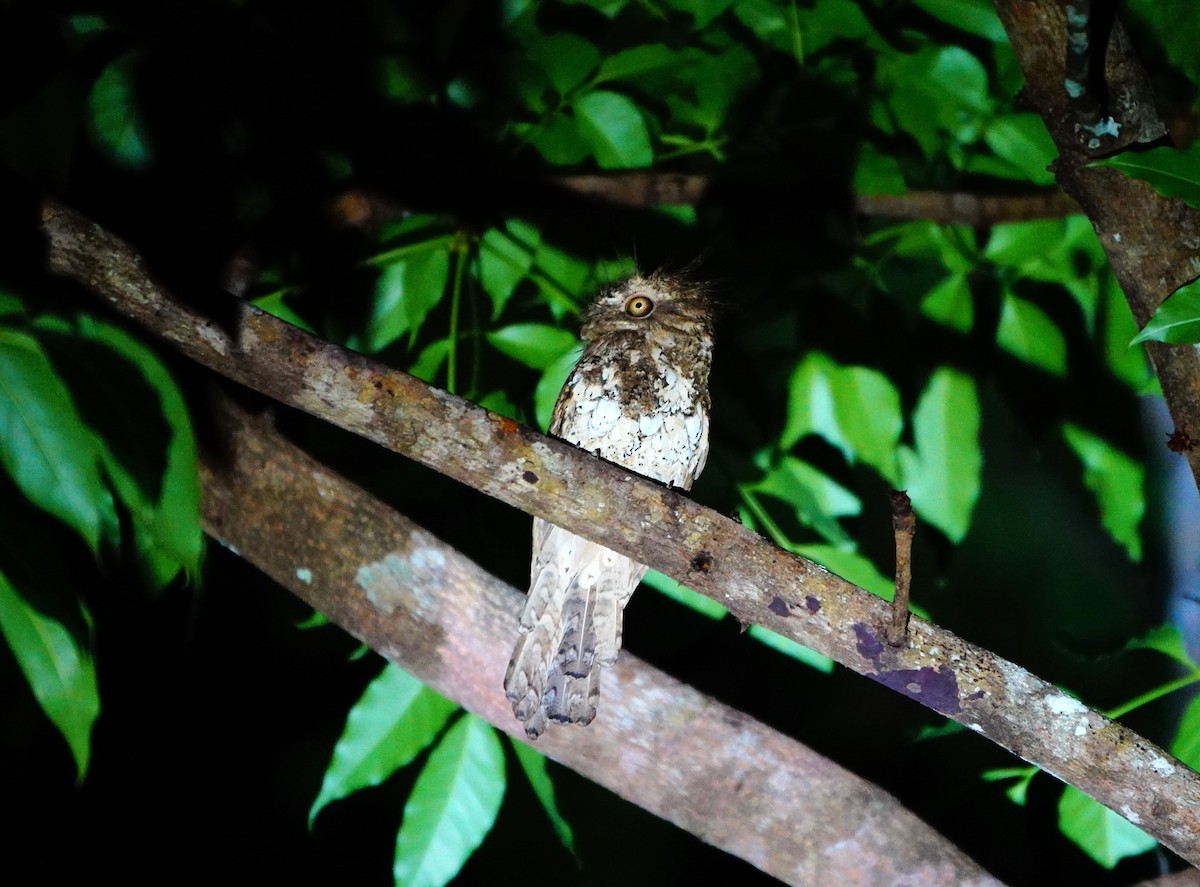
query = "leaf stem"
{"x": 434, "y": 244}
{"x": 1151, "y": 695}
{"x": 458, "y": 247}
{"x": 760, "y": 514}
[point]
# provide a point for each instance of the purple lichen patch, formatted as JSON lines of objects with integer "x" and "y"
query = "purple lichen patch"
{"x": 779, "y": 607}
{"x": 933, "y": 687}
{"x": 869, "y": 646}
{"x": 812, "y": 604}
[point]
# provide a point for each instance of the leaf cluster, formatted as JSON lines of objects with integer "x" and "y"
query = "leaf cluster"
{"x": 408, "y": 181}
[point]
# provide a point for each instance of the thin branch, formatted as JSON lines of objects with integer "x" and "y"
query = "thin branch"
{"x": 726, "y": 778}
{"x": 756, "y": 581}
{"x": 976, "y": 210}
{"x": 360, "y": 209}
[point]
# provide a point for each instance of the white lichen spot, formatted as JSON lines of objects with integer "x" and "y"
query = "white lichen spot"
{"x": 1081, "y": 728}
{"x": 1061, "y": 704}
{"x": 1162, "y": 767}
{"x": 413, "y": 580}
{"x": 978, "y": 728}
{"x": 1117, "y": 238}
{"x": 1130, "y": 815}
{"x": 428, "y": 559}
{"x": 215, "y": 337}
{"x": 304, "y": 574}
{"x": 935, "y": 651}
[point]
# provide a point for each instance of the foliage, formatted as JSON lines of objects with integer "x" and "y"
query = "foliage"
{"x": 397, "y": 178}
{"x": 94, "y": 435}
{"x": 1177, "y": 320}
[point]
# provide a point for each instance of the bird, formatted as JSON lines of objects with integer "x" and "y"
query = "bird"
{"x": 638, "y": 396}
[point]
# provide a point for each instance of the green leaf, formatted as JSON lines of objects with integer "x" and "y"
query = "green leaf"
{"x": 1172, "y": 27}
{"x": 533, "y": 763}
{"x": 718, "y": 81}
{"x": 607, "y": 8}
{"x": 788, "y": 647}
{"x": 1018, "y": 792}
{"x": 10, "y": 304}
{"x": 392, "y": 722}
{"x": 408, "y": 289}
{"x": 58, "y": 668}
{"x": 1168, "y": 640}
{"x": 853, "y": 567}
{"x": 1027, "y": 332}
{"x": 629, "y": 63}
{"x": 430, "y": 360}
{"x": 401, "y": 79}
{"x": 1023, "y": 141}
{"x": 549, "y": 386}
{"x": 816, "y": 499}
{"x": 566, "y": 58}
{"x": 772, "y": 24}
{"x": 1060, "y": 251}
{"x": 614, "y": 128}
{"x": 504, "y": 262}
{"x": 703, "y": 11}
{"x": 1117, "y": 482}
{"x": 166, "y": 520}
{"x": 855, "y": 408}
{"x": 877, "y": 173}
{"x": 1023, "y": 245}
{"x": 1127, "y": 363}
{"x": 452, "y": 806}
{"x": 952, "y": 245}
{"x": 693, "y": 600}
{"x": 45, "y": 447}
{"x": 537, "y": 345}
{"x": 562, "y": 276}
{"x": 498, "y": 402}
{"x": 276, "y": 304}
{"x": 558, "y": 139}
{"x": 942, "y": 472}
{"x": 973, "y": 16}
{"x": 115, "y": 118}
{"x": 1170, "y": 171}
{"x": 1177, "y": 320}
{"x": 1103, "y": 835}
{"x": 832, "y": 20}
{"x": 950, "y": 302}
{"x": 1186, "y": 744}
{"x": 935, "y": 93}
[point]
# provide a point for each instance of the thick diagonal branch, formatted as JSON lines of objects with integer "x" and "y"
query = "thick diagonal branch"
{"x": 722, "y": 776}
{"x": 756, "y": 581}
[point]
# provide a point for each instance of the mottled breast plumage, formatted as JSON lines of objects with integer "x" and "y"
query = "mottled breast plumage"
{"x": 638, "y": 397}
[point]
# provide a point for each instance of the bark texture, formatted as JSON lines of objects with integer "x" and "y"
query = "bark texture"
{"x": 756, "y": 581}
{"x": 724, "y": 777}
{"x": 1152, "y": 242}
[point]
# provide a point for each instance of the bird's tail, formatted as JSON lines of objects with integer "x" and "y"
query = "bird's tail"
{"x": 571, "y": 627}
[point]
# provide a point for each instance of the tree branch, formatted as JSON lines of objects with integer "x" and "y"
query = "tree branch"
{"x": 1150, "y": 240}
{"x": 753, "y": 579}
{"x": 360, "y": 209}
{"x": 726, "y": 778}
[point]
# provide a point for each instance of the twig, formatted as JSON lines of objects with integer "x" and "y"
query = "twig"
{"x": 904, "y": 525}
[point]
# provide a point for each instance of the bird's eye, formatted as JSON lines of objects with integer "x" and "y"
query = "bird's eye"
{"x": 638, "y": 306}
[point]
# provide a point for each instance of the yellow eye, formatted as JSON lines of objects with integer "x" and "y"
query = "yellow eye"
{"x": 638, "y": 306}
